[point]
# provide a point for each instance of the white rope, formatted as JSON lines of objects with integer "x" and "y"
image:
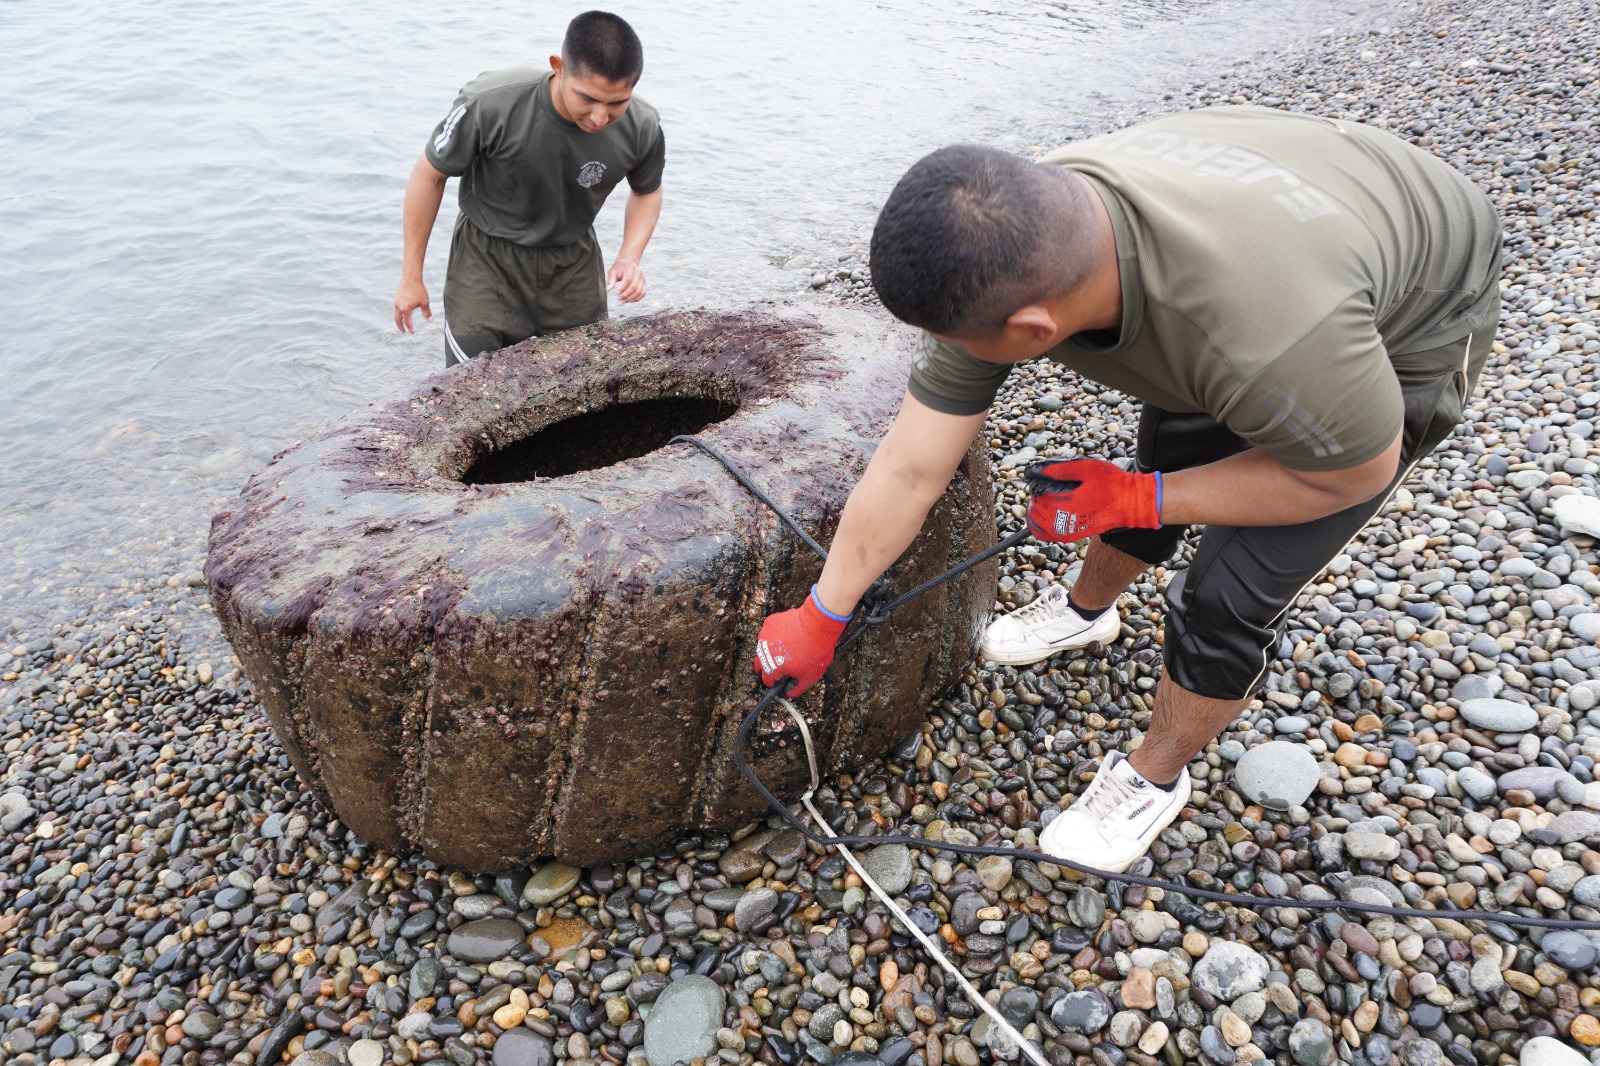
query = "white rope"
{"x": 928, "y": 944}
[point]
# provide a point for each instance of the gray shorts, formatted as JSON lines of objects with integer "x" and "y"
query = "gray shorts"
{"x": 498, "y": 292}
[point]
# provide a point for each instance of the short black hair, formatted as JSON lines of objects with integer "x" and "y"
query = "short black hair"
{"x": 602, "y": 44}
{"x": 971, "y": 234}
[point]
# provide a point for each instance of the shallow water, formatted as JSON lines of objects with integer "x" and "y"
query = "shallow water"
{"x": 199, "y": 204}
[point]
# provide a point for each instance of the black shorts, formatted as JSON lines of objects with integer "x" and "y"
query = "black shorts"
{"x": 1227, "y": 607}
{"x": 498, "y": 292}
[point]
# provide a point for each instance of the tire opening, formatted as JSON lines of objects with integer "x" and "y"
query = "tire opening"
{"x": 597, "y": 439}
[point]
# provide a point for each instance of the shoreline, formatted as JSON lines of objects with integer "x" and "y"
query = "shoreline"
{"x": 157, "y": 858}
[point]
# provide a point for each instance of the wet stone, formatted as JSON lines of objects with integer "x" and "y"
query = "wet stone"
{"x": 1423, "y": 1052}
{"x": 342, "y": 907}
{"x": 646, "y": 987}
{"x": 1216, "y": 1047}
{"x": 994, "y": 871}
{"x": 724, "y": 900}
{"x": 418, "y": 924}
{"x": 1019, "y": 1005}
{"x": 752, "y": 907}
{"x": 476, "y": 906}
{"x": 521, "y": 1047}
{"x": 424, "y": 976}
{"x": 964, "y": 914}
{"x": 1088, "y": 908}
{"x": 857, "y": 1058}
{"x": 315, "y": 1057}
{"x": 896, "y": 1051}
{"x": 1426, "y": 1015}
{"x": 486, "y": 940}
{"x": 1086, "y": 1011}
{"x": 789, "y": 847}
{"x": 1569, "y": 949}
{"x": 823, "y": 1021}
{"x": 230, "y": 898}
{"x": 508, "y": 886}
{"x": 684, "y": 1022}
{"x": 890, "y": 866}
{"x": 549, "y": 883}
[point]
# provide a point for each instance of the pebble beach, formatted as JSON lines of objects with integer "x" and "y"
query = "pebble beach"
{"x": 1427, "y": 737}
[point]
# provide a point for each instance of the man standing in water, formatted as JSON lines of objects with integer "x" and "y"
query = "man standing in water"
{"x": 1302, "y": 304}
{"x": 537, "y": 153}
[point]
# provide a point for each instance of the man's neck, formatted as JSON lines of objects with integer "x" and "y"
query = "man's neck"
{"x": 1102, "y": 289}
{"x": 554, "y": 88}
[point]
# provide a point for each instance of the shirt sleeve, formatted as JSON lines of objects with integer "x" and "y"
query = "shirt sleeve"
{"x": 951, "y": 380}
{"x": 645, "y": 177}
{"x": 1330, "y": 402}
{"x": 457, "y": 140}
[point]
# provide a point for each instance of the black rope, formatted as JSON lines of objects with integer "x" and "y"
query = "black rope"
{"x": 741, "y": 744}
{"x": 881, "y": 614}
{"x": 751, "y": 487}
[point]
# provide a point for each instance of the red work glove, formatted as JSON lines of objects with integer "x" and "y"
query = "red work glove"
{"x": 1087, "y": 497}
{"x": 798, "y": 644}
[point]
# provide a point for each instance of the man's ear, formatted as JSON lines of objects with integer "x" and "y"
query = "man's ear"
{"x": 555, "y": 65}
{"x": 1036, "y": 322}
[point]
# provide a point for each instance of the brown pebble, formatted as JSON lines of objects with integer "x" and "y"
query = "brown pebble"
{"x": 1358, "y": 938}
{"x": 1139, "y": 990}
{"x": 1586, "y": 1030}
{"x": 1350, "y": 755}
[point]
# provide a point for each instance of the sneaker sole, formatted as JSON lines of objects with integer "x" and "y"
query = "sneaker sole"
{"x": 1024, "y": 658}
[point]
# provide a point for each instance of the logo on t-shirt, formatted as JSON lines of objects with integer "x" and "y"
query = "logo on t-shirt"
{"x": 591, "y": 174}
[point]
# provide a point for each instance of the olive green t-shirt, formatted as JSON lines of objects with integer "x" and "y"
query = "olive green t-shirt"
{"x": 1272, "y": 265}
{"x": 527, "y": 174}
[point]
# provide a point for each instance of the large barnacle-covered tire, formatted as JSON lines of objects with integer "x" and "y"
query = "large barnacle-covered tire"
{"x": 504, "y": 618}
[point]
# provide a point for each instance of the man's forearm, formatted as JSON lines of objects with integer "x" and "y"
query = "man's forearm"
{"x": 424, "y": 194}
{"x": 1253, "y": 489}
{"x": 639, "y": 223}
{"x": 907, "y": 474}
{"x": 878, "y": 525}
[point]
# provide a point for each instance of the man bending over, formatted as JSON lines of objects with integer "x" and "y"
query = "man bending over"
{"x": 1302, "y": 304}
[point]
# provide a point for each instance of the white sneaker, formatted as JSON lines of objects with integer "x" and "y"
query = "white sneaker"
{"x": 1116, "y": 819}
{"x": 1044, "y": 627}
